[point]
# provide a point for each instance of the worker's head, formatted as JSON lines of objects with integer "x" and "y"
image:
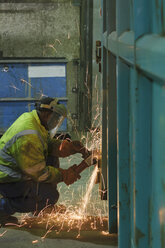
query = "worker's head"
{"x": 51, "y": 112}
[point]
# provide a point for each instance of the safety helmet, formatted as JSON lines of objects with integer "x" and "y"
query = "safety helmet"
{"x": 59, "y": 113}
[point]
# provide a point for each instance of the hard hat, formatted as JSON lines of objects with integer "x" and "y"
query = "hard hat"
{"x": 55, "y": 106}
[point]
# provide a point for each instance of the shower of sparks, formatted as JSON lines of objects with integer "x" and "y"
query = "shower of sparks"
{"x": 14, "y": 87}
{"x": 34, "y": 241}
{"x": 52, "y": 46}
{"x": 89, "y": 191}
{"x": 96, "y": 81}
{"x": 68, "y": 36}
{"x": 70, "y": 219}
{"x": 41, "y": 94}
{"x": 73, "y": 124}
{"x": 2, "y": 234}
{"x": 105, "y": 233}
{"x": 58, "y": 41}
{"x": 86, "y": 81}
{"x": 23, "y": 81}
{"x": 78, "y": 27}
{"x": 49, "y": 230}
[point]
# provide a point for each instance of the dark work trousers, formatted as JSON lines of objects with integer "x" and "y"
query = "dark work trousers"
{"x": 26, "y": 197}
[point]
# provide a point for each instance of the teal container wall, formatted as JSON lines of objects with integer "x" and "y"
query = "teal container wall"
{"x": 109, "y": 119}
{"x": 133, "y": 39}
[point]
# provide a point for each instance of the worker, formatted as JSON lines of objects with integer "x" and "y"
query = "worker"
{"x": 27, "y": 182}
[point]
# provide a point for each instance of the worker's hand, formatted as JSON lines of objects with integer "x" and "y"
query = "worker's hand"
{"x": 80, "y": 148}
{"x": 69, "y": 175}
{"x": 67, "y": 148}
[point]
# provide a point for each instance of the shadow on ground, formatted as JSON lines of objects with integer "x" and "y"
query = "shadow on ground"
{"x": 94, "y": 236}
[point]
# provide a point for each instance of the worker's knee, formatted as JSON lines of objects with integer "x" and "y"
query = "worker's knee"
{"x": 48, "y": 193}
{"x": 36, "y": 195}
{"x": 53, "y": 197}
{"x": 6, "y": 207}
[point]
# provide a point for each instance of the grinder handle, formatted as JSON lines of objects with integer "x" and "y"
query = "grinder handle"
{"x": 85, "y": 164}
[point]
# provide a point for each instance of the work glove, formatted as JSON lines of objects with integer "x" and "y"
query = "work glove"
{"x": 67, "y": 148}
{"x": 80, "y": 148}
{"x": 69, "y": 176}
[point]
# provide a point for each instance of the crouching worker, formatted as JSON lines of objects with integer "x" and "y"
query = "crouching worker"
{"x": 27, "y": 183}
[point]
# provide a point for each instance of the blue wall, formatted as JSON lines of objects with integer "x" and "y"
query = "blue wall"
{"x": 19, "y": 90}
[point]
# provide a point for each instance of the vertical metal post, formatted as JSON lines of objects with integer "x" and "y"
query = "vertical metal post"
{"x": 141, "y": 133}
{"x": 85, "y": 88}
{"x": 158, "y": 166}
{"x": 142, "y": 17}
{"x": 109, "y": 147}
{"x": 131, "y": 148}
{"x": 104, "y": 113}
{"x": 141, "y": 165}
{"x": 158, "y": 17}
{"x": 88, "y": 71}
{"x": 104, "y": 129}
{"x": 122, "y": 16}
{"x": 111, "y": 16}
{"x": 122, "y": 24}
{"x": 112, "y": 122}
{"x": 112, "y": 143}
{"x": 123, "y": 81}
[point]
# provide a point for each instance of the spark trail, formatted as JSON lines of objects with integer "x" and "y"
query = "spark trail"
{"x": 87, "y": 196}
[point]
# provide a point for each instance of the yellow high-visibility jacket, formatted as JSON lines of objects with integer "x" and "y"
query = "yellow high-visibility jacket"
{"x": 23, "y": 152}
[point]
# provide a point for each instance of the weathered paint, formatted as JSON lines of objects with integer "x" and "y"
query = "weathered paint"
{"x": 123, "y": 157}
{"x": 140, "y": 77}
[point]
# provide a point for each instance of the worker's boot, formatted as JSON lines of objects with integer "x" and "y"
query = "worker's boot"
{"x": 8, "y": 220}
{"x": 5, "y": 213}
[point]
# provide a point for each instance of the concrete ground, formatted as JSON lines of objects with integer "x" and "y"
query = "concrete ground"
{"x": 24, "y": 239}
{"x": 37, "y": 235}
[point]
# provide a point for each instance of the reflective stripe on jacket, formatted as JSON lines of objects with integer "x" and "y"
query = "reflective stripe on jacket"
{"x": 23, "y": 151}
